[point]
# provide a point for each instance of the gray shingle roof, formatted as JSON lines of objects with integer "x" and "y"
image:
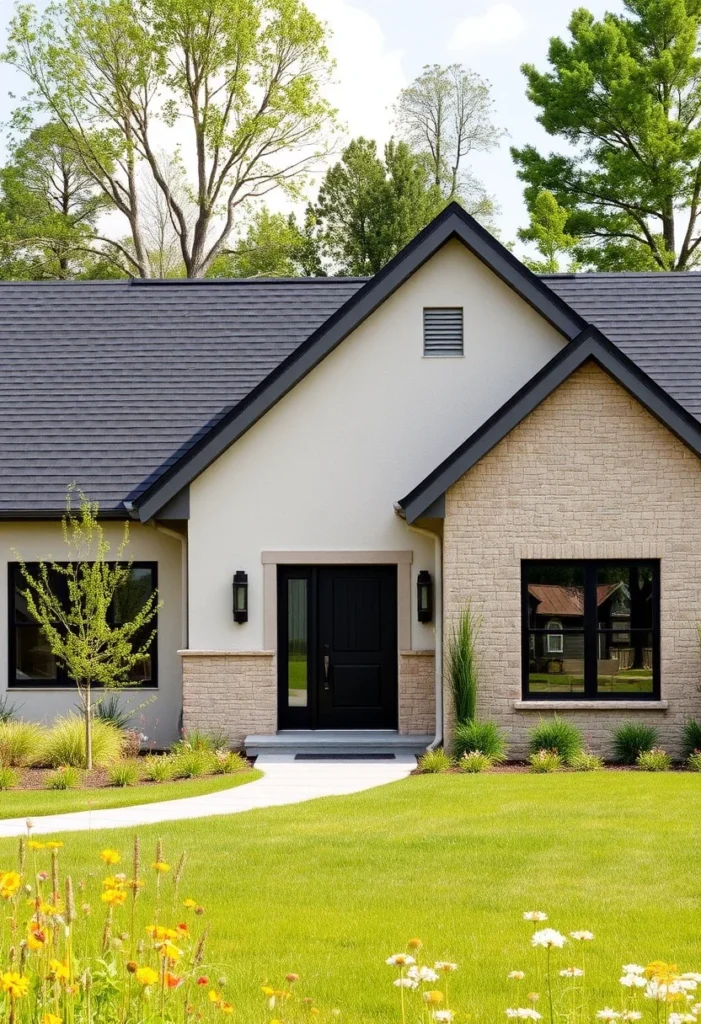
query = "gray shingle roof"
{"x": 107, "y": 383}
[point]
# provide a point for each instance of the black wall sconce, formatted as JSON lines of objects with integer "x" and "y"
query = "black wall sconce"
{"x": 424, "y": 594}
{"x": 240, "y": 596}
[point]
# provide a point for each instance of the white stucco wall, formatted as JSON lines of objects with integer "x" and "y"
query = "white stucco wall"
{"x": 323, "y": 469}
{"x": 159, "y": 718}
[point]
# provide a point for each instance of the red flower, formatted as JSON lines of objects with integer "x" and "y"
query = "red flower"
{"x": 172, "y": 981}
{"x": 203, "y": 980}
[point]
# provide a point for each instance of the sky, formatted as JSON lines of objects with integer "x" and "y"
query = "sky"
{"x": 381, "y": 45}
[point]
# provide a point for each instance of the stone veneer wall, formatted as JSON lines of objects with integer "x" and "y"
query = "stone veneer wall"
{"x": 230, "y": 691}
{"x": 589, "y": 474}
{"x": 417, "y": 692}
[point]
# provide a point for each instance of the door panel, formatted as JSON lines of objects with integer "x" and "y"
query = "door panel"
{"x": 337, "y": 660}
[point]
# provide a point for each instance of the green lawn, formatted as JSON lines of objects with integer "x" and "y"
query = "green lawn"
{"x": 330, "y": 888}
{"x": 31, "y": 803}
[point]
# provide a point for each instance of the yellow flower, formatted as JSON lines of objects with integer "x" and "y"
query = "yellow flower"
{"x": 50, "y": 1018}
{"x": 59, "y": 969}
{"x": 33, "y": 942}
{"x": 433, "y": 997}
{"x": 267, "y": 990}
{"x": 161, "y": 866}
{"x": 146, "y": 976}
{"x": 170, "y": 951}
{"x": 190, "y": 904}
{"x": 14, "y": 983}
{"x": 10, "y": 882}
{"x": 54, "y": 845}
{"x": 414, "y": 944}
{"x": 110, "y": 856}
{"x": 226, "y": 1007}
{"x": 158, "y": 933}
{"x": 214, "y": 997}
{"x": 661, "y": 971}
{"x": 34, "y": 844}
{"x": 115, "y": 897}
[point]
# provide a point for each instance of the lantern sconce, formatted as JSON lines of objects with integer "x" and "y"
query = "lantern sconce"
{"x": 424, "y": 593}
{"x": 240, "y": 596}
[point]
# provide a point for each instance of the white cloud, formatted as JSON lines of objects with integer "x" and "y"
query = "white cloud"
{"x": 499, "y": 23}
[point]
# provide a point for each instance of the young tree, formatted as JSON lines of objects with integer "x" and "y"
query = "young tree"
{"x": 547, "y": 231}
{"x": 446, "y": 114}
{"x": 625, "y": 94}
{"x": 243, "y": 78}
{"x": 97, "y": 647}
{"x": 369, "y": 208}
{"x": 50, "y": 206}
{"x": 274, "y": 246}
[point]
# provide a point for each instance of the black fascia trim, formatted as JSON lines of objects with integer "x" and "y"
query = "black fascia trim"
{"x": 453, "y": 222}
{"x": 52, "y": 514}
{"x": 591, "y": 345}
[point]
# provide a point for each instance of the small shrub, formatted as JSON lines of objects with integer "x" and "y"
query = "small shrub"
{"x": 158, "y": 768}
{"x": 124, "y": 773}
{"x": 584, "y": 761}
{"x": 474, "y": 761}
{"x": 111, "y": 709}
{"x": 556, "y": 734}
{"x": 632, "y": 739}
{"x": 227, "y": 762}
{"x": 655, "y": 760}
{"x": 693, "y": 761}
{"x": 8, "y": 777}
{"x": 691, "y": 738}
{"x": 189, "y": 764}
{"x": 131, "y": 743}
{"x": 486, "y": 737}
{"x": 66, "y": 776}
{"x": 65, "y": 743}
{"x": 196, "y": 739}
{"x": 543, "y": 761}
{"x": 21, "y": 743}
{"x": 433, "y": 762}
{"x": 7, "y": 710}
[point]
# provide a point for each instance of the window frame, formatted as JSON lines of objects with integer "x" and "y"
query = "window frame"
{"x": 553, "y": 631}
{"x": 590, "y": 630}
{"x": 63, "y": 680}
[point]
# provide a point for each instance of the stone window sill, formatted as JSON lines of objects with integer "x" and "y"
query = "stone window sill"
{"x": 591, "y": 705}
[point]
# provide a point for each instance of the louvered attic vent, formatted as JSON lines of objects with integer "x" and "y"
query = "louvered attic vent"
{"x": 443, "y": 335}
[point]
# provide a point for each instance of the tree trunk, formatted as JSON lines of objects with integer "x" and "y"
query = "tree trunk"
{"x": 88, "y": 729}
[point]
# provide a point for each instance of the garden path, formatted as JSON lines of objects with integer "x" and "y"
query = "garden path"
{"x": 285, "y": 781}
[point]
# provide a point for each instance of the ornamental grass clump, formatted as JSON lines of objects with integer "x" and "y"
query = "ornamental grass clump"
{"x": 434, "y": 762}
{"x": 544, "y": 761}
{"x": 66, "y": 776}
{"x": 655, "y": 760}
{"x": 631, "y": 739}
{"x": 190, "y": 764}
{"x": 486, "y": 737}
{"x": 693, "y": 761}
{"x": 21, "y": 743}
{"x": 691, "y": 737}
{"x": 461, "y": 663}
{"x": 9, "y": 778}
{"x": 65, "y": 743}
{"x": 158, "y": 767}
{"x": 585, "y": 761}
{"x": 228, "y": 762}
{"x": 556, "y": 734}
{"x": 125, "y": 773}
{"x": 474, "y": 761}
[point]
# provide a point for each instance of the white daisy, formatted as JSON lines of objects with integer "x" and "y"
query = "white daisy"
{"x": 607, "y": 1014}
{"x": 405, "y": 983}
{"x": 535, "y": 915}
{"x": 443, "y": 1016}
{"x": 445, "y": 966}
{"x": 633, "y": 969}
{"x": 524, "y": 1013}
{"x": 632, "y": 981}
{"x": 582, "y": 936}
{"x": 516, "y": 975}
{"x": 400, "y": 960}
{"x": 422, "y": 974}
{"x": 572, "y": 972}
{"x": 548, "y": 937}
{"x": 631, "y": 1015}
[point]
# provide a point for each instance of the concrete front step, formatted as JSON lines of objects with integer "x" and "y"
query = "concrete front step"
{"x": 336, "y": 742}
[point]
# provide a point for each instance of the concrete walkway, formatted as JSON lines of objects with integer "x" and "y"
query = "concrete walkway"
{"x": 285, "y": 781}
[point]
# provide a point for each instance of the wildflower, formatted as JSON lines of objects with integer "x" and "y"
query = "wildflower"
{"x": 158, "y": 933}
{"x": 202, "y": 980}
{"x": 681, "y": 1018}
{"x": 59, "y": 970}
{"x": 661, "y": 971}
{"x": 182, "y": 928}
{"x": 533, "y": 997}
{"x": 53, "y": 845}
{"x": 42, "y": 876}
{"x": 50, "y": 1018}
{"x": 214, "y": 996}
{"x": 582, "y": 936}
{"x": 110, "y": 856}
{"x": 445, "y": 967}
{"x": 291, "y": 978}
{"x": 172, "y": 981}
{"x": 548, "y": 937}
{"x": 631, "y": 1015}
{"x": 433, "y": 996}
{"x": 160, "y": 866}
{"x": 14, "y": 984}
{"x": 633, "y": 969}
{"x": 189, "y": 903}
{"x": 443, "y": 1016}
{"x": 572, "y": 972}
{"x": 132, "y": 966}
{"x": 524, "y": 1013}
{"x": 10, "y": 881}
{"x": 146, "y": 976}
{"x": 400, "y": 960}
{"x": 405, "y": 983}
{"x": 633, "y": 981}
{"x": 607, "y": 1014}
{"x": 535, "y": 915}
{"x": 115, "y": 897}
{"x": 34, "y": 844}
{"x": 170, "y": 952}
{"x": 422, "y": 974}
{"x": 414, "y": 944}
{"x": 516, "y": 975}
{"x": 691, "y": 976}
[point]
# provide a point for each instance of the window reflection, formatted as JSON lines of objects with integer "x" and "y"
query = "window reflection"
{"x": 297, "y": 654}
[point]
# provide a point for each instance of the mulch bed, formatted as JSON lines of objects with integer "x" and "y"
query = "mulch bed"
{"x": 516, "y": 767}
{"x": 35, "y": 778}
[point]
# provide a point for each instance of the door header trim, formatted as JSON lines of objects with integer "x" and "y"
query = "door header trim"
{"x": 336, "y": 557}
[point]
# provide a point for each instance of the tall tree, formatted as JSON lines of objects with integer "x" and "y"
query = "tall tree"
{"x": 547, "y": 231}
{"x": 625, "y": 94}
{"x": 274, "y": 245}
{"x": 446, "y": 114}
{"x": 243, "y": 79}
{"x": 369, "y": 208}
{"x": 49, "y": 206}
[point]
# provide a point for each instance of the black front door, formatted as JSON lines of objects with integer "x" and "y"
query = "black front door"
{"x": 337, "y": 665}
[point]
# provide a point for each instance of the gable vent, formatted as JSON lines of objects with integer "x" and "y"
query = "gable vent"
{"x": 443, "y": 334}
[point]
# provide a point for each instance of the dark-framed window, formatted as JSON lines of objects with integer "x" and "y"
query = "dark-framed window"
{"x": 31, "y": 663}
{"x": 590, "y": 629}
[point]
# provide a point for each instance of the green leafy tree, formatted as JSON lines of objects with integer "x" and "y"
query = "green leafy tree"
{"x": 274, "y": 246}
{"x": 95, "y": 647}
{"x": 368, "y": 208}
{"x": 241, "y": 81}
{"x": 547, "y": 231}
{"x": 624, "y": 93}
{"x": 445, "y": 115}
{"x": 49, "y": 207}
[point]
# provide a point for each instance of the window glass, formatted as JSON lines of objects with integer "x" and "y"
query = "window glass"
{"x": 624, "y": 596}
{"x": 132, "y": 597}
{"x": 297, "y": 648}
{"x": 34, "y": 659}
{"x": 625, "y": 662}
{"x": 558, "y": 673}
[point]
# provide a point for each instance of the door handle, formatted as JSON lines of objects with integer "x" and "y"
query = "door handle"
{"x": 326, "y": 670}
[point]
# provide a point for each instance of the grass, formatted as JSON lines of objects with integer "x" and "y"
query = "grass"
{"x": 331, "y": 887}
{"x": 32, "y": 802}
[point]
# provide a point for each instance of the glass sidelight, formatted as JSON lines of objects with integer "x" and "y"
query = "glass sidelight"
{"x": 297, "y": 643}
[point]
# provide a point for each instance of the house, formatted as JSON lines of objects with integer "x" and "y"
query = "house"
{"x": 321, "y": 473}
